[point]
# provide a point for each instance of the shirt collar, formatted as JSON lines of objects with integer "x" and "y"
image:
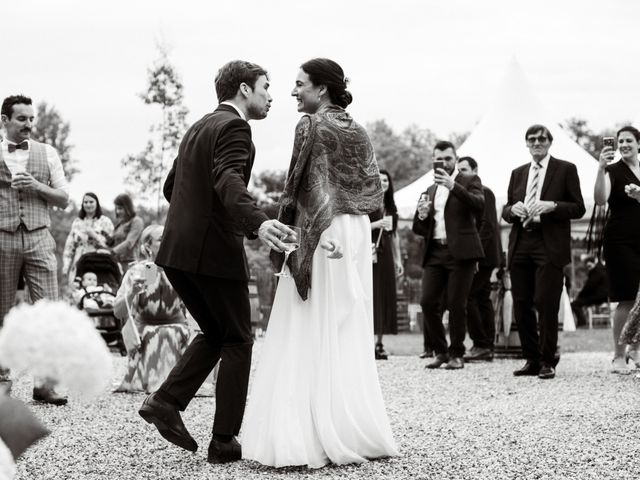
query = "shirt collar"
{"x": 543, "y": 163}
{"x": 226, "y": 102}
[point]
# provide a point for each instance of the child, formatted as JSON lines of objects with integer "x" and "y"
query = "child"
{"x": 88, "y": 284}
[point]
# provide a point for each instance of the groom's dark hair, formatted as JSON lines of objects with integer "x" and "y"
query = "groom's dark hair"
{"x": 232, "y": 74}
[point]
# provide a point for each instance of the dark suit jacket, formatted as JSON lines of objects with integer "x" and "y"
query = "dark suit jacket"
{"x": 561, "y": 185}
{"x": 489, "y": 231}
{"x": 595, "y": 289}
{"x": 465, "y": 202}
{"x": 210, "y": 208}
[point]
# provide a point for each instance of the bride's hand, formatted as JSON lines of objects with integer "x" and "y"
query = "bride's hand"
{"x": 333, "y": 247}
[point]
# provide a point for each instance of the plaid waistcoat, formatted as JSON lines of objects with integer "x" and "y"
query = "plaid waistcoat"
{"x": 21, "y": 206}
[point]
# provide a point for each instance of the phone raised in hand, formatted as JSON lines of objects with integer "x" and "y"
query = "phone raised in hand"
{"x": 438, "y": 164}
{"x": 609, "y": 142}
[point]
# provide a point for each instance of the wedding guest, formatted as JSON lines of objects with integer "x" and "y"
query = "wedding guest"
{"x": 89, "y": 284}
{"x": 127, "y": 231}
{"x": 158, "y": 315}
{"x": 31, "y": 181}
{"x": 480, "y": 313}
{"x": 618, "y": 184}
{"x": 386, "y": 267}
{"x": 630, "y": 334}
{"x": 446, "y": 218}
{"x": 316, "y": 396}
{"x": 543, "y": 196}
{"x": 593, "y": 292}
{"x": 89, "y": 232}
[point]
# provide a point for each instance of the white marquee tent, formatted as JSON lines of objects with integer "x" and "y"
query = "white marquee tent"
{"x": 498, "y": 145}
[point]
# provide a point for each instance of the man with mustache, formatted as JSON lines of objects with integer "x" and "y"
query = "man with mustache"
{"x": 544, "y": 195}
{"x": 31, "y": 181}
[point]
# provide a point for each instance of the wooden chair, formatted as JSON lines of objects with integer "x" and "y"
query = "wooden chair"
{"x": 600, "y": 316}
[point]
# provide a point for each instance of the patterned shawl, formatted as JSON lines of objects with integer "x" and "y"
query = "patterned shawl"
{"x": 333, "y": 171}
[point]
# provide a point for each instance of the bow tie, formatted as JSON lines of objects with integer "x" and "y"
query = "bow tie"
{"x": 13, "y": 147}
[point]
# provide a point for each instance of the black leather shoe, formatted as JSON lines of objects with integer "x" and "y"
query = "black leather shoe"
{"x": 437, "y": 362}
{"x": 380, "y": 353}
{"x": 426, "y": 354}
{"x": 530, "y": 368}
{"x": 479, "y": 354}
{"x": 167, "y": 420}
{"x": 47, "y": 394}
{"x": 455, "y": 363}
{"x": 546, "y": 371}
{"x": 224, "y": 452}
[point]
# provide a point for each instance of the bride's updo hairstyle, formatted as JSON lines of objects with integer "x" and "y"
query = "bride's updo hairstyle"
{"x": 323, "y": 71}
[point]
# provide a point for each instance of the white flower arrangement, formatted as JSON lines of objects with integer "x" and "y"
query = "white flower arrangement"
{"x": 7, "y": 465}
{"x": 55, "y": 341}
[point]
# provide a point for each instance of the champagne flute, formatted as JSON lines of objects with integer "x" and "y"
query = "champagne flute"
{"x": 291, "y": 244}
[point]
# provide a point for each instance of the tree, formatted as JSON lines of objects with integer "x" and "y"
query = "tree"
{"x": 405, "y": 156}
{"x": 579, "y": 131}
{"x": 51, "y": 128}
{"x": 148, "y": 168}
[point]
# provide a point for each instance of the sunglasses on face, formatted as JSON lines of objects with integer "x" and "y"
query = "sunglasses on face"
{"x": 541, "y": 139}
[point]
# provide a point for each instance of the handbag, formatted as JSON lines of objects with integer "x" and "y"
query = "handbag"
{"x": 374, "y": 248}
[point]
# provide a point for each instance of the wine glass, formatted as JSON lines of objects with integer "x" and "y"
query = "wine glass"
{"x": 291, "y": 244}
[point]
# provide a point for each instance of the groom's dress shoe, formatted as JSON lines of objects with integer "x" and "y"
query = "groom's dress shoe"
{"x": 46, "y": 394}
{"x": 166, "y": 419}
{"x": 437, "y": 362}
{"x": 224, "y": 452}
{"x": 530, "y": 368}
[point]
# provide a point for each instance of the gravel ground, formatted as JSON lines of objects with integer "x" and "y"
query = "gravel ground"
{"x": 477, "y": 423}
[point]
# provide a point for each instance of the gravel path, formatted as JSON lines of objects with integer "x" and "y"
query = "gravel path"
{"x": 477, "y": 423}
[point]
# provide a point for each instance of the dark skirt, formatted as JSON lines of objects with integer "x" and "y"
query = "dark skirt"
{"x": 623, "y": 270}
{"x": 384, "y": 291}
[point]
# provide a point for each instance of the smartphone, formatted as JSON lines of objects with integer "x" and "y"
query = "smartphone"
{"x": 438, "y": 164}
{"x": 608, "y": 142}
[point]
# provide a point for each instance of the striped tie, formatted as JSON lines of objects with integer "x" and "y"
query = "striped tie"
{"x": 533, "y": 192}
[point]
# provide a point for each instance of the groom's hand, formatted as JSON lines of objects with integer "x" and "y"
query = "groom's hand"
{"x": 270, "y": 233}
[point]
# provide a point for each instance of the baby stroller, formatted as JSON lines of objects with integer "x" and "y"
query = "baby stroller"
{"x": 99, "y": 310}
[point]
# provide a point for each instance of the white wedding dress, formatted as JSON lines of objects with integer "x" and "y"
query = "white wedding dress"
{"x": 315, "y": 397}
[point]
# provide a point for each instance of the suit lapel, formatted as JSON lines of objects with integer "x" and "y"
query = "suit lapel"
{"x": 551, "y": 168}
{"x": 522, "y": 189}
{"x": 431, "y": 193}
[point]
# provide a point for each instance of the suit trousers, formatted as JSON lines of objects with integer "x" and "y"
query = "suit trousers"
{"x": 32, "y": 254}
{"x": 480, "y": 314}
{"x": 536, "y": 287}
{"x": 221, "y": 308}
{"x": 441, "y": 272}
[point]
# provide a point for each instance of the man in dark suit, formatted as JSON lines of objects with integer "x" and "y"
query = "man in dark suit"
{"x": 594, "y": 292}
{"x": 480, "y": 314}
{"x": 203, "y": 256}
{"x": 446, "y": 218}
{"x": 544, "y": 195}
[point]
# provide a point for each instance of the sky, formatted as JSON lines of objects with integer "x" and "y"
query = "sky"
{"x": 435, "y": 64}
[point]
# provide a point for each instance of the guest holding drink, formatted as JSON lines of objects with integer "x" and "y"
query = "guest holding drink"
{"x": 386, "y": 266}
{"x": 158, "y": 315}
{"x": 89, "y": 232}
{"x": 618, "y": 184}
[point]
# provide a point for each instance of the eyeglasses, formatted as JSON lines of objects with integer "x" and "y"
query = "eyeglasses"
{"x": 541, "y": 139}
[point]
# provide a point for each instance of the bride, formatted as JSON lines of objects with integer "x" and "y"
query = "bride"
{"x": 316, "y": 397}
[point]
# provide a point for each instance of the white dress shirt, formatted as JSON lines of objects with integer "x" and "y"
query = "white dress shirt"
{"x": 439, "y": 202}
{"x": 237, "y": 109}
{"x": 17, "y": 160}
{"x": 544, "y": 163}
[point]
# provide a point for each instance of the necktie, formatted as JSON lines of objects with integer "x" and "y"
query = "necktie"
{"x": 13, "y": 147}
{"x": 532, "y": 193}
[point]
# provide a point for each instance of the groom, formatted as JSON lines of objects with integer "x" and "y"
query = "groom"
{"x": 203, "y": 257}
